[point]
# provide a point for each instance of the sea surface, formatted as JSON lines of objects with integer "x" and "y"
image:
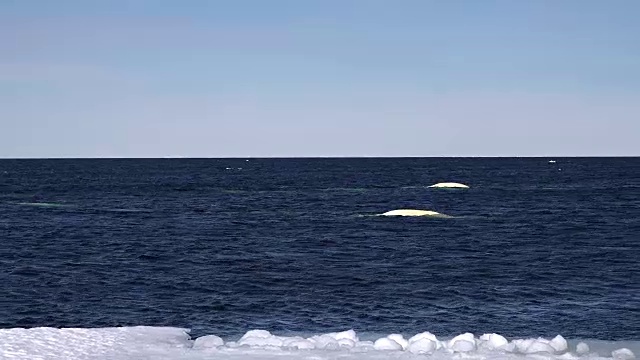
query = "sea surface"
{"x": 294, "y": 246}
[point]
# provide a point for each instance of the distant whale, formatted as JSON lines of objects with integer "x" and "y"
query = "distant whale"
{"x": 413, "y": 212}
{"x": 42, "y": 204}
{"x": 449, "y": 185}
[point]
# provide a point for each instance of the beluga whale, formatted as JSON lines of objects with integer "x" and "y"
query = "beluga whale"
{"x": 414, "y": 212}
{"x": 449, "y": 185}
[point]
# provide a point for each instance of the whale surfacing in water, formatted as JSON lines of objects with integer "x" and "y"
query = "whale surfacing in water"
{"x": 413, "y": 212}
{"x": 42, "y": 204}
{"x": 449, "y": 185}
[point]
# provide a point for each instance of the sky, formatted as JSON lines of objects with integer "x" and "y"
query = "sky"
{"x": 298, "y": 78}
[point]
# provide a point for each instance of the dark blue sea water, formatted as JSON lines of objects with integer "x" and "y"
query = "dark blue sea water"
{"x": 288, "y": 245}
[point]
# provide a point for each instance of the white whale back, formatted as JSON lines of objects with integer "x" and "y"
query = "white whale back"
{"x": 449, "y": 185}
{"x": 412, "y": 212}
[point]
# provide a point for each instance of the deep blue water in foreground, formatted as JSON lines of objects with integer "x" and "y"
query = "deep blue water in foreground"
{"x": 288, "y": 245}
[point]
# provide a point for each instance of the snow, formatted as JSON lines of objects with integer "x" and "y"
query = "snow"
{"x": 161, "y": 343}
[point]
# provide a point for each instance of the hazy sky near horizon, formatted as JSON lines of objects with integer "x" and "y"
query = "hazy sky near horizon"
{"x": 198, "y": 78}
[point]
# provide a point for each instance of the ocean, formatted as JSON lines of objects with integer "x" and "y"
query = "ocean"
{"x": 534, "y": 248}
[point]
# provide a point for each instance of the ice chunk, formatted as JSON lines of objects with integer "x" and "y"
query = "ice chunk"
{"x": 349, "y": 334}
{"x": 325, "y": 341}
{"x": 259, "y": 338}
{"x": 422, "y": 346}
{"x": 207, "y": 342}
{"x": 463, "y": 343}
{"x": 540, "y": 346}
{"x": 521, "y": 345}
{"x": 346, "y": 343}
{"x": 256, "y": 334}
{"x": 493, "y": 341}
{"x": 582, "y": 349}
{"x": 426, "y": 335}
{"x": 559, "y": 344}
{"x": 399, "y": 339}
{"x": 297, "y": 342}
{"x": 386, "y": 344}
{"x": 365, "y": 344}
{"x": 623, "y": 354}
{"x": 261, "y": 342}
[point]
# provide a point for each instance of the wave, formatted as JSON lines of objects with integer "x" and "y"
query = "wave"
{"x": 81, "y": 208}
{"x": 43, "y": 204}
{"x": 143, "y": 342}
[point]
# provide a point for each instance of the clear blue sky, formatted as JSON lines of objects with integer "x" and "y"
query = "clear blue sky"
{"x": 153, "y": 78}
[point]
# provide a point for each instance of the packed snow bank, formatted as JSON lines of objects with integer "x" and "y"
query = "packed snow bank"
{"x": 105, "y": 343}
{"x": 174, "y": 343}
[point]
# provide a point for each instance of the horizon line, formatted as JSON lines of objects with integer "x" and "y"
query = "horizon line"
{"x": 315, "y": 157}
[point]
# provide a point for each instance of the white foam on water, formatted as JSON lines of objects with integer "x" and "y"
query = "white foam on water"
{"x": 159, "y": 343}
